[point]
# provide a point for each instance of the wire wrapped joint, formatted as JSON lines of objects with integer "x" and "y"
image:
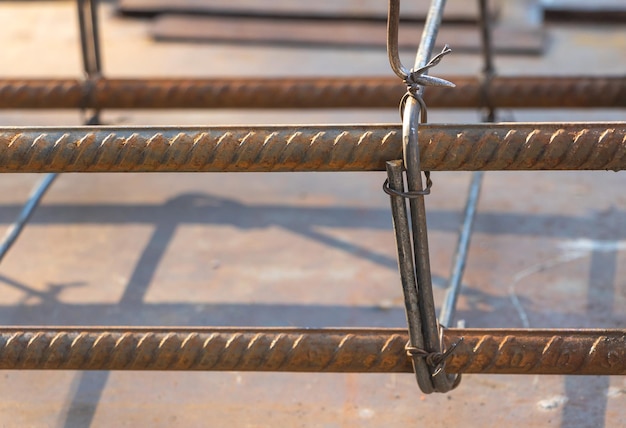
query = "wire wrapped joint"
{"x": 416, "y": 78}
{"x": 436, "y": 360}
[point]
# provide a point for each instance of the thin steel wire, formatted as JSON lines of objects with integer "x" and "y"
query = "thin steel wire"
{"x": 15, "y": 229}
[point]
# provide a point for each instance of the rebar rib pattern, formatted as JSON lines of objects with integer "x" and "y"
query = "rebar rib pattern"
{"x": 519, "y": 146}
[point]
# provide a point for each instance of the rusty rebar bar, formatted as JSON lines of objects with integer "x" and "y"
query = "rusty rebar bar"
{"x": 526, "y": 351}
{"x": 597, "y": 352}
{"x": 348, "y": 92}
{"x": 503, "y": 146}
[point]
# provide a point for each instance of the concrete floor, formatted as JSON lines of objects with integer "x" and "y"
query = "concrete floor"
{"x": 299, "y": 249}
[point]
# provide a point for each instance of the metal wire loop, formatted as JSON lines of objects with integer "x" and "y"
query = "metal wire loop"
{"x": 411, "y": 194}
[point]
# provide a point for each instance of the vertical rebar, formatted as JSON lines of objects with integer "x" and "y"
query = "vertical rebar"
{"x": 89, "y": 37}
{"x": 14, "y": 231}
{"x": 448, "y": 307}
{"x": 489, "y": 115}
{"x": 90, "y": 49}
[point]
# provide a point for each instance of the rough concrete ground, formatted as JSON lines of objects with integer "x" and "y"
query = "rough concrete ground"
{"x": 299, "y": 249}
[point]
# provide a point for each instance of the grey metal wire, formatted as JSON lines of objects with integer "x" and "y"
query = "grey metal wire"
{"x": 14, "y": 231}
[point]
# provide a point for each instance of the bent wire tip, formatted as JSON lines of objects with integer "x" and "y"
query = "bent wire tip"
{"x": 426, "y": 80}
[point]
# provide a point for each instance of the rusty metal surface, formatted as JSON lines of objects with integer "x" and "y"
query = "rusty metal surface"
{"x": 538, "y": 351}
{"x": 504, "y": 146}
{"x": 581, "y": 352}
{"x": 361, "y": 92}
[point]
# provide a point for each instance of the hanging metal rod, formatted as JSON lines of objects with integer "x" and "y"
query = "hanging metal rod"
{"x": 414, "y": 112}
{"x": 500, "y": 351}
{"x": 349, "y": 92}
{"x": 503, "y": 146}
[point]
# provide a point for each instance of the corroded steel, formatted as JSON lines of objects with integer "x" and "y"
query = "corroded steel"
{"x": 519, "y": 146}
{"x": 352, "y": 92}
{"x": 203, "y": 349}
{"x": 598, "y": 352}
{"x": 528, "y": 351}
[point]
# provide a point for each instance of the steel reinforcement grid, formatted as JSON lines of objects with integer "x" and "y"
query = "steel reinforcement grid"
{"x": 467, "y": 147}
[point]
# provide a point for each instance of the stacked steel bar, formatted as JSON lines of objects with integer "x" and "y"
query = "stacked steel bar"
{"x": 363, "y": 92}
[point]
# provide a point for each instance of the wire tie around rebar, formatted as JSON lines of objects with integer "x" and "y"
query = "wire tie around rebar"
{"x": 413, "y": 81}
{"x": 436, "y": 360}
{"x": 416, "y": 78}
{"x": 409, "y": 195}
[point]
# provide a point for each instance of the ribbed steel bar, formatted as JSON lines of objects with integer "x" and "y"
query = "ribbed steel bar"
{"x": 581, "y": 352}
{"x": 339, "y": 92}
{"x": 503, "y": 146}
{"x": 597, "y": 352}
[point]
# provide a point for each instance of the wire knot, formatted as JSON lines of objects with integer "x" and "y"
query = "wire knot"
{"x": 435, "y": 360}
{"x": 416, "y": 77}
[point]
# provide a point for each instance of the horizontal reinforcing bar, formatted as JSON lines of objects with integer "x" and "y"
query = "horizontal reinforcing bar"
{"x": 293, "y": 93}
{"x": 459, "y": 147}
{"x": 498, "y": 351}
